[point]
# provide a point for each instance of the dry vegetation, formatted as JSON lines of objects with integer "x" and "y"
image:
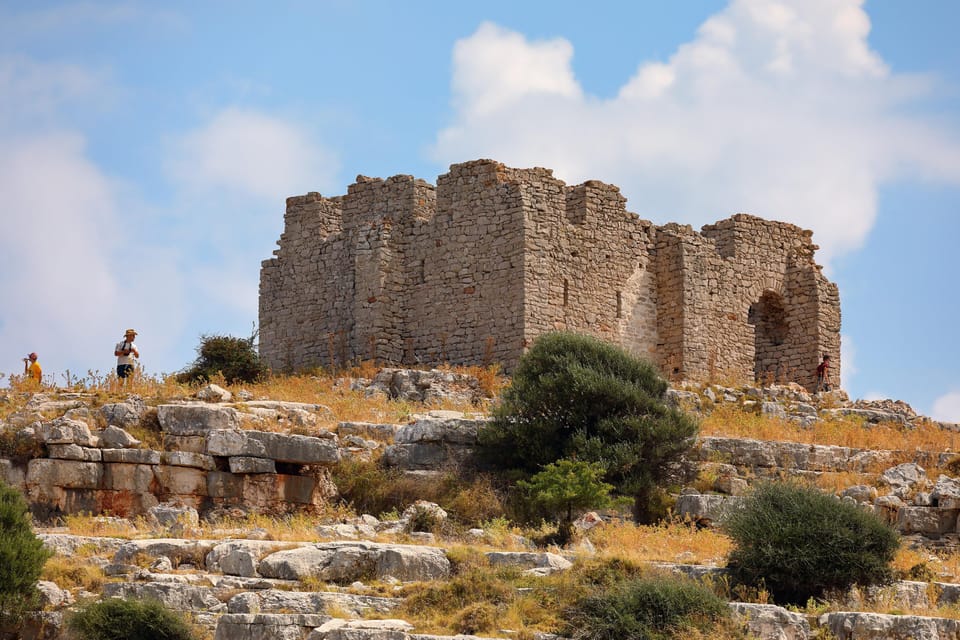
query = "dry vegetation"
{"x": 481, "y": 599}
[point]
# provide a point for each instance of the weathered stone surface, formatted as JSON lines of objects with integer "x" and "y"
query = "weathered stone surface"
{"x": 380, "y": 432}
{"x": 64, "y": 544}
{"x": 63, "y": 473}
{"x": 181, "y": 481}
{"x": 441, "y": 426}
{"x": 214, "y": 393}
{"x": 179, "y": 597}
{"x": 770, "y": 622}
{"x": 946, "y": 493}
{"x": 52, "y": 596}
{"x": 173, "y": 516}
{"x": 267, "y": 626}
{"x": 66, "y": 431}
{"x": 188, "y": 459}
{"x": 340, "y": 266}
{"x": 351, "y": 561}
{"x": 131, "y": 456}
{"x": 274, "y": 600}
{"x": 74, "y": 452}
{"x": 549, "y": 562}
{"x": 703, "y": 508}
{"x": 12, "y": 474}
{"x": 280, "y": 447}
{"x": 134, "y": 478}
{"x": 114, "y": 437}
{"x": 927, "y": 520}
{"x": 877, "y": 626}
{"x": 241, "y": 557}
{"x": 124, "y": 414}
{"x": 428, "y": 455}
{"x": 868, "y": 415}
{"x": 339, "y": 629}
{"x": 243, "y": 464}
{"x": 195, "y": 419}
{"x": 905, "y": 479}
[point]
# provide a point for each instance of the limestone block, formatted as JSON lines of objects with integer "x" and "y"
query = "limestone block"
{"x": 267, "y": 626}
{"x": 131, "y": 456}
{"x": 182, "y": 480}
{"x": 529, "y": 560}
{"x": 861, "y": 493}
{"x": 416, "y": 456}
{"x": 74, "y": 452}
{"x": 845, "y": 625}
{"x": 927, "y": 520}
{"x": 453, "y": 429}
{"x": 221, "y": 484}
{"x": 188, "y": 459}
{"x": 770, "y": 622}
{"x": 185, "y": 444}
{"x": 413, "y": 563}
{"x": 66, "y": 431}
{"x": 64, "y": 473}
{"x": 168, "y": 516}
{"x": 242, "y": 464}
{"x": 124, "y": 414}
{"x": 179, "y": 597}
{"x": 294, "y": 564}
{"x": 214, "y": 393}
{"x": 13, "y": 475}
{"x": 946, "y": 493}
{"x": 116, "y": 438}
{"x": 195, "y": 419}
{"x": 309, "y": 602}
{"x": 280, "y": 447}
{"x": 241, "y": 557}
{"x": 703, "y": 508}
{"x": 340, "y": 629}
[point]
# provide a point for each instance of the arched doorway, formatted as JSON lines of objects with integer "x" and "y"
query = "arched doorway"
{"x": 770, "y": 331}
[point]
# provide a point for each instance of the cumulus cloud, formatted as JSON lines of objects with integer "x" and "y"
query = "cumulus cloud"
{"x": 774, "y": 108}
{"x": 252, "y": 153}
{"x": 947, "y": 407}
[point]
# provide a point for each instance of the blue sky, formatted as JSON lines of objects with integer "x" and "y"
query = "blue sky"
{"x": 146, "y": 148}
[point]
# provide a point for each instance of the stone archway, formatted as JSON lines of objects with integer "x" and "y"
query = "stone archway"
{"x": 768, "y": 317}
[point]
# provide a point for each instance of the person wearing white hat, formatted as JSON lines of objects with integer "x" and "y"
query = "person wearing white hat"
{"x": 127, "y": 354}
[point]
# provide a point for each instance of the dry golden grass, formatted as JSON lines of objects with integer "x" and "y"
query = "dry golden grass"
{"x": 72, "y": 572}
{"x": 732, "y": 421}
{"x": 665, "y": 542}
{"x": 102, "y": 526}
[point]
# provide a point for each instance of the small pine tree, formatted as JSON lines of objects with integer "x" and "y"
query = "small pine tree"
{"x": 567, "y": 487}
{"x": 234, "y": 358}
{"x": 22, "y": 556}
{"x": 574, "y": 396}
{"x": 801, "y": 543}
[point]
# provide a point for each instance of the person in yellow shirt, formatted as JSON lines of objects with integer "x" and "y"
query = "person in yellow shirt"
{"x": 31, "y": 368}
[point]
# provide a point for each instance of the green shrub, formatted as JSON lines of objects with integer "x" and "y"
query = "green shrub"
{"x": 234, "y": 358}
{"x": 118, "y": 619}
{"x": 653, "y": 608}
{"x": 566, "y": 488}
{"x": 577, "y": 397}
{"x": 22, "y": 556}
{"x": 479, "y": 617}
{"x": 801, "y": 543}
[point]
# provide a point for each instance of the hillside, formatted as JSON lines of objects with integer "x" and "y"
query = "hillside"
{"x": 347, "y": 507}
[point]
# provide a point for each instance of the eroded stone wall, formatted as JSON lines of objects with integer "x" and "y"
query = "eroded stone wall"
{"x": 473, "y": 270}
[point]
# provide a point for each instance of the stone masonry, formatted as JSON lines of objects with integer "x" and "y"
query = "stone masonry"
{"x": 473, "y": 270}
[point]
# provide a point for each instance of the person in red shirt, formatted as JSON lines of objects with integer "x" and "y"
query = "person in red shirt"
{"x": 823, "y": 374}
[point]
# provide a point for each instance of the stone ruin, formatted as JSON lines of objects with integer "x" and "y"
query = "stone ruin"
{"x": 472, "y": 270}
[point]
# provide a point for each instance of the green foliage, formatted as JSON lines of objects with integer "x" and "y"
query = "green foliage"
{"x": 577, "y": 397}
{"x": 567, "y": 487}
{"x": 235, "y": 358}
{"x": 801, "y": 543}
{"x": 118, "y": 619}
{"x": 655, "y": 608}
{"x": 22, "y": 556}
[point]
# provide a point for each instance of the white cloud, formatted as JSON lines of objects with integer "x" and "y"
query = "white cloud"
{"x": 251, "y": 153}
{"x": 778, "y": 109}
{"x": 947, "y": 407}
{"x": 77, "y": 265}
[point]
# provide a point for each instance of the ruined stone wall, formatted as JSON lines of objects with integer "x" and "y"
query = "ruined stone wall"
{"x": 472, "y": 271}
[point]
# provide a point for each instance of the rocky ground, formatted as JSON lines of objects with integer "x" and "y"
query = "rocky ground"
{"x": 182, "y": 529}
